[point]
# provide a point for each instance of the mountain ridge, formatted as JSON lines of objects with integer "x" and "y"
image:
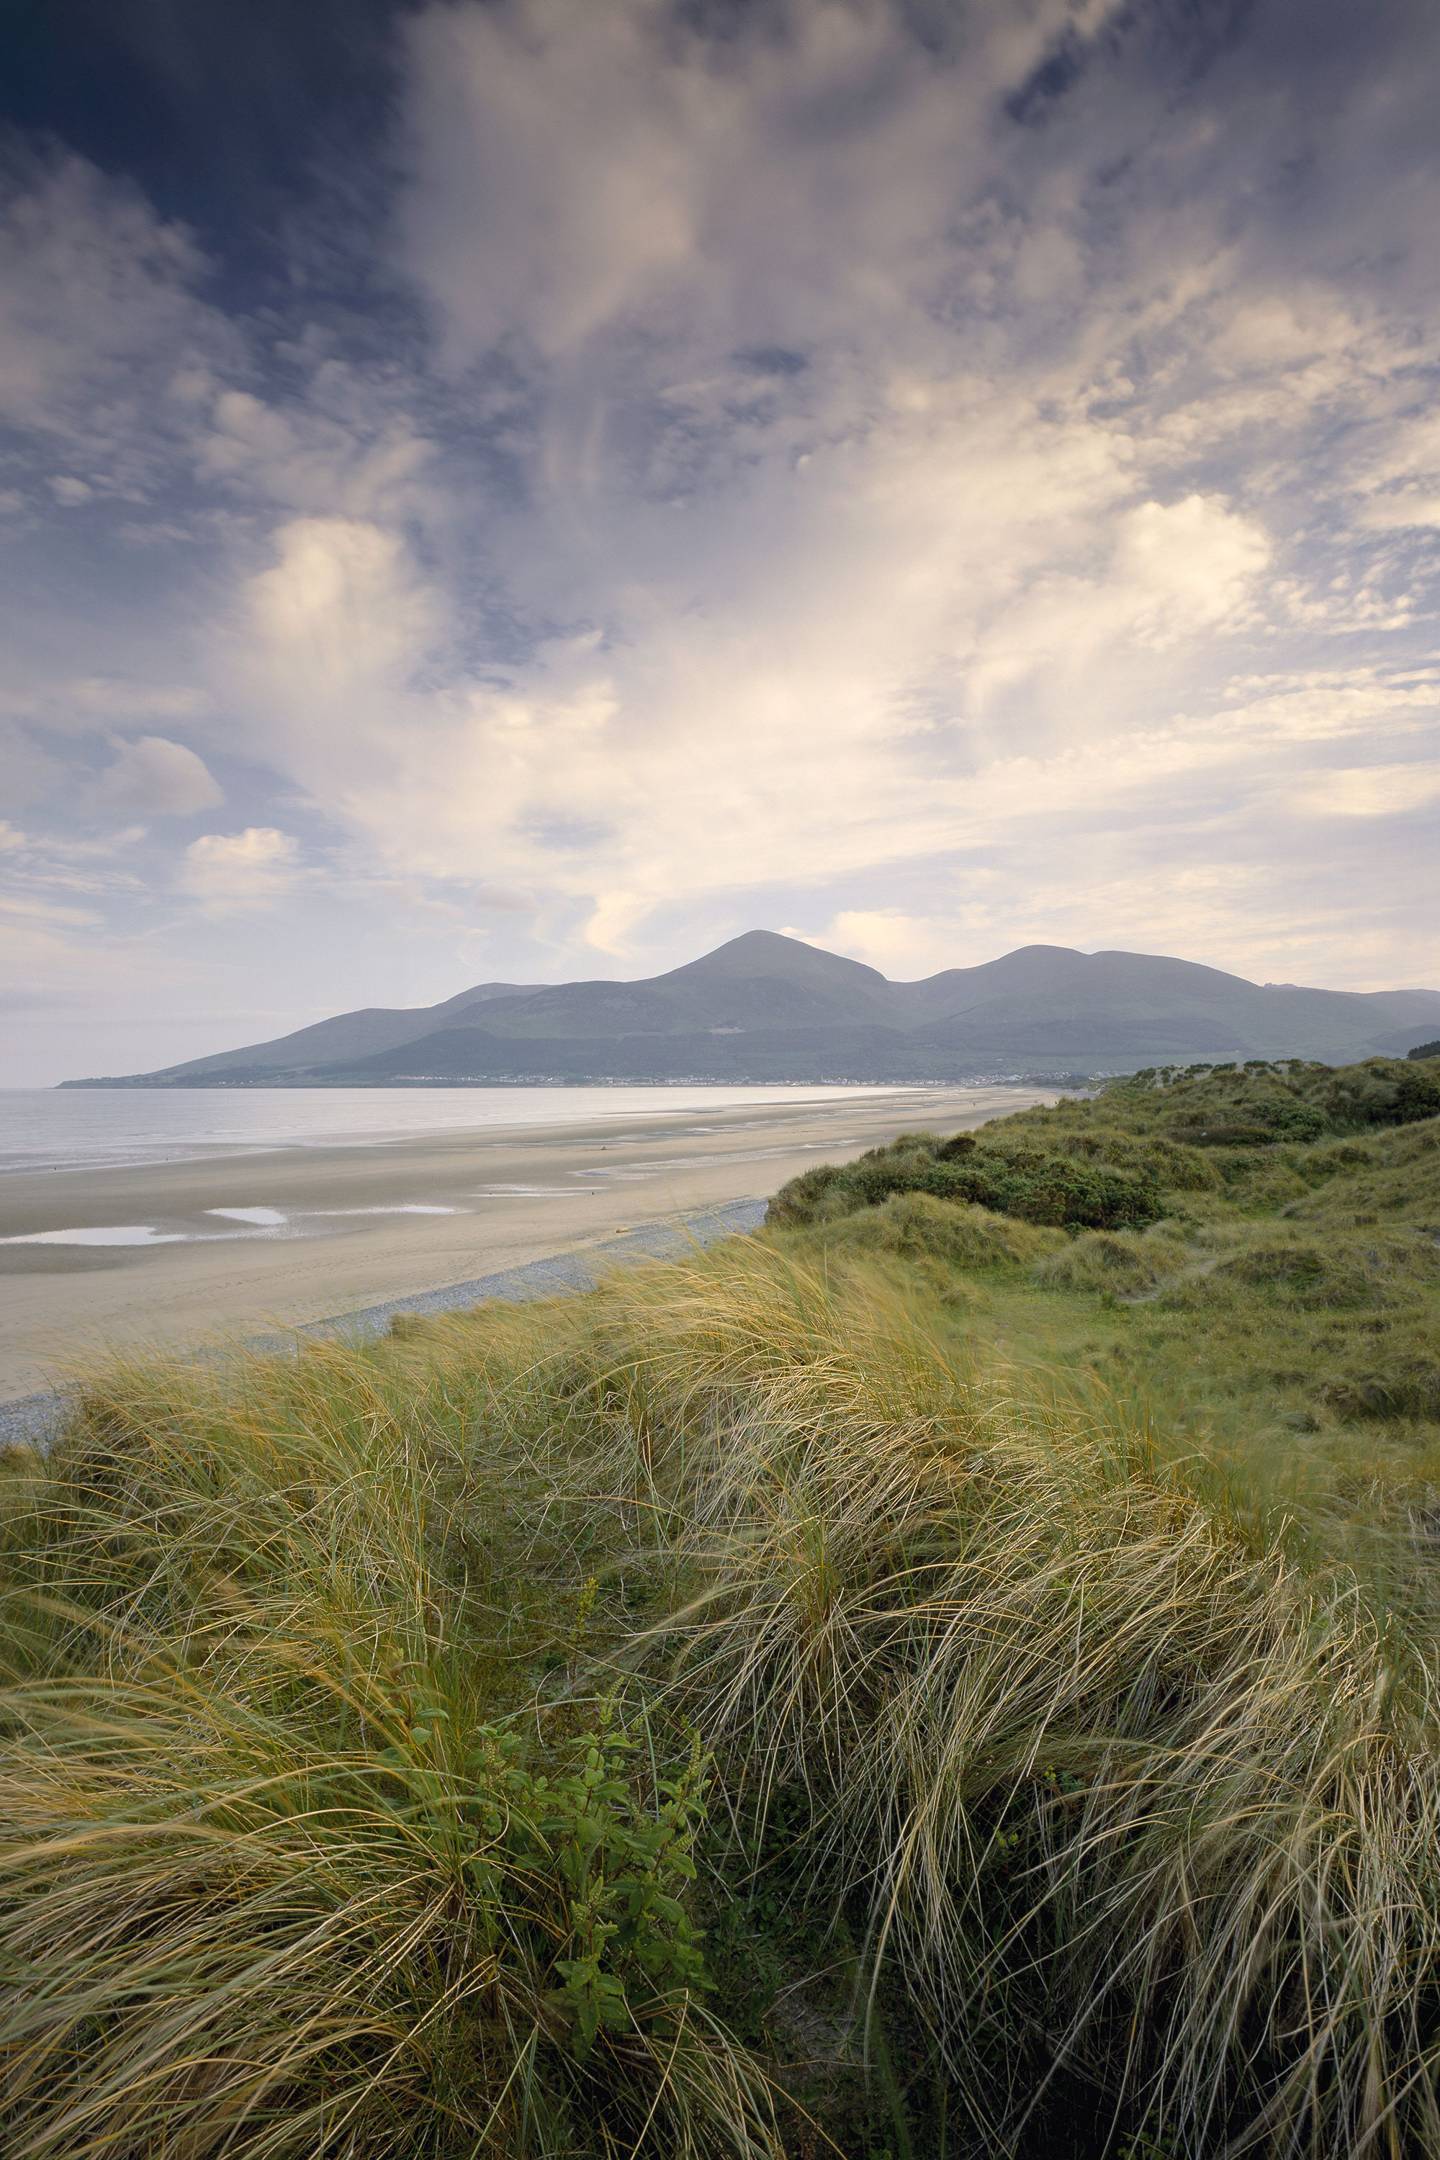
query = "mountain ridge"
{"x": 765, "y": 1006}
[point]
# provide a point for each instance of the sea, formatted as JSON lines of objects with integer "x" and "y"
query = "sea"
{"x": 107, "y": 1128}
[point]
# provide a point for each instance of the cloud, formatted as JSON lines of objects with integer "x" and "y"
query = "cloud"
{"x": 613, "y": 918}
{"x": 99, "y": 307}
{"x": 1189, "y": 565}
{"x": 733, "y": 682}
{"x": 1371, "y": 791}
{"x": 303, "y": 458}
{"x": 761, "y": 464}
{"x": 341, "y": 604}
{"x": 901, "y": 946}
{"x": 160, "y": 778}
{"x": 618, "y": 166}
{"x": 234, "y": 872}
{"x": 80, "y": 704}
{"x": 31, "y": 909}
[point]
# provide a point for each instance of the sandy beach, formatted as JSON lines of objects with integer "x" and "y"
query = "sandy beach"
{"x": 361, "y": 1224}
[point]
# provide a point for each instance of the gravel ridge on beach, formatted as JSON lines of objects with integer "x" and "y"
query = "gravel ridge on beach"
{"x": 30, "y": 1419}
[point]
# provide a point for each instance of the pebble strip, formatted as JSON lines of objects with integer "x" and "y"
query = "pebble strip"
{"x": 30, "y": 1419}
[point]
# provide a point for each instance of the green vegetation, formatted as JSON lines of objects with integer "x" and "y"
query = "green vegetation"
{"x": 951, "y": 1677}
{"x": 1008, "y": 1176}
{"x": 1425, "y": 1050}
{"x": 1278, "y": 1321}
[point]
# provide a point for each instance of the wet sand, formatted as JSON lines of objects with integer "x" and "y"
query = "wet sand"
{"x": 342, "y": 1244}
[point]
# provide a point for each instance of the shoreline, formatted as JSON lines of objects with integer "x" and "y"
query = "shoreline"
{"x": 236, "y": 1246}
{"x": 140, "y": 1155}
{"x": 28, "y": 1420}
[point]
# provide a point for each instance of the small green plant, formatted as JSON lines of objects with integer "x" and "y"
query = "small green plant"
{"x": 626, "y": 1872}
{"x": 569, "y": 1867}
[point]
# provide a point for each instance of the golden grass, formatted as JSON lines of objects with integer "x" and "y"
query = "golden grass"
{"x": 1115, "y": 1795}
{"x": 275, "y": 1881}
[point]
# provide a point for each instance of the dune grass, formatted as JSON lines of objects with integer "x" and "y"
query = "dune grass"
{"x": 734, "y": 1712}
{"x": 302, "y": 1855}
{"x": 1280, "y": 1316}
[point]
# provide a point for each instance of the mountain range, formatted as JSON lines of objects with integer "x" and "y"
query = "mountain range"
{"x": 766, "y": 1007}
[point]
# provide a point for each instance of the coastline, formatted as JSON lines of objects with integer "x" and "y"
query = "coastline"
{"x": 28, "y": 1420}
{"x": 357, "y": 1233}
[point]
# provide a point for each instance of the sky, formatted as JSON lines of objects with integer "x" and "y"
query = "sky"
{"x": 529, "y": 489}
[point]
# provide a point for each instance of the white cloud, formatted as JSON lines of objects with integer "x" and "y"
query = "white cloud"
{"x": 1370, "y": 791}
{"x": 1320, "y": 704}
{"x": 765, "y": 680}
{"x": 1190, "y": 565}
{"x": 902, "y": 946}
{"x": 30, "y": 909}
{"x": 1397, "y": 472}
{"x": 613, "y": 918}
{"x": 304, "y": 459}
{"x": 230, "y": 872}
{"x": 160, "y": 778}
{"x": 341, "y": 605}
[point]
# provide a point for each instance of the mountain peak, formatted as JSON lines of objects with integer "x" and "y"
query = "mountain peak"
{"x": 753, "y": 945}
{"x": 772, "y": 953}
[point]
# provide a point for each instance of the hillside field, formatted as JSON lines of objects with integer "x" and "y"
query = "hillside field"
{"x": 950, "y": 1676}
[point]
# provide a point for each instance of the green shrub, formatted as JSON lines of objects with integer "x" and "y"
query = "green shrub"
{"x": 1117, "y": 1262}
{"x": 1260, "y": 1126}
{"x": 1334, "y": 1157}
{"x": 1173, "y": 1165}
{"x": 1382, "y": 1091}
{"x": 1038, "y": 1185}
{"x": 804, "y": 1199}
{"x": 1265, "y": 1179}
{"x": 1313, "y": 1274}
{"x": 1418, "y": 1095}
{"x": 1394, "y": 1172}
{"x": 1041, "y": 1186}
{"x": 423, "y": 1939}
{"x": 1409, "y": 1389}
{"x": 1291, "y": 1100}
{"x": 917, "y": 1226}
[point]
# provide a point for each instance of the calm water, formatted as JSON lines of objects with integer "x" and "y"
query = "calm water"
{"x": 45, "y": 1128}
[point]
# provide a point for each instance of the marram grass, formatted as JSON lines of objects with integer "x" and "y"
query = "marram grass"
{"x": 366, "y": 1709}
{"x": 282, "y": 1872}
